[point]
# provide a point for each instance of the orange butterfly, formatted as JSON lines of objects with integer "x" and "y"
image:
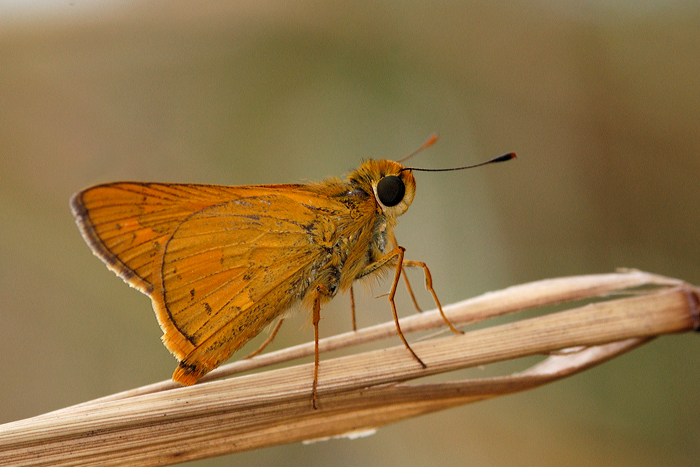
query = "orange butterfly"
{"x": 221, "y": 263}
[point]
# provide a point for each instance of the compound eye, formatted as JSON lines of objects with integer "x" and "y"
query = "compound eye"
{"x": 390, "y": 190}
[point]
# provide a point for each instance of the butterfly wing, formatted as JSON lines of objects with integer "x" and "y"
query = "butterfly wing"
{"x": 128, "y": 224}
{"x": 219, "y": 263}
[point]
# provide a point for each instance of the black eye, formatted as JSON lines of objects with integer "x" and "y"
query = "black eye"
{"x": 390, "y": 190}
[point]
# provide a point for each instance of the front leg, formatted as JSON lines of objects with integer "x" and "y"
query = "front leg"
{"x": 405, "y": 279}
{"x": 429, "y": 286}
{"x": 395, "y": 255}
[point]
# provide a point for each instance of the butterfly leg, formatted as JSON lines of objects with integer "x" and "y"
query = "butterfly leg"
{"x": 394, "y": 255}
{"x": 267, "y": 341}
{"x": 410, "y": 291}
{"x": 405, "y": 279}
{"x": 429, "y": 286}
{"x": 320, "y": 290}
{"x": 352, "y": 308}
{"x": 399, "y": 267}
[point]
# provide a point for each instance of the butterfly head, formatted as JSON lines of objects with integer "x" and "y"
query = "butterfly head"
{"x": 392, "y": 186}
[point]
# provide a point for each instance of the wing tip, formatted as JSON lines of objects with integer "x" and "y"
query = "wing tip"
{"x": 114, "y": 264}
{"x": 188, "y": 374}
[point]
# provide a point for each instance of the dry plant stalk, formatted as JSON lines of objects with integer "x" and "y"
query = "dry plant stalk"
{"x": 160, "y": 424}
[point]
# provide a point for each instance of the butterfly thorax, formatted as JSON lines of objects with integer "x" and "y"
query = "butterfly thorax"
{"x": 363, "y": 230}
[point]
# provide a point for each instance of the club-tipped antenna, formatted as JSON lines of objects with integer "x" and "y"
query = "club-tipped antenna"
{"x": 503, "y": 158}
{"x": 428, "y": 143}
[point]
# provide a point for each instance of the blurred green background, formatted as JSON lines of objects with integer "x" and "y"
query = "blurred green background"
{"x": 601, "y": 101}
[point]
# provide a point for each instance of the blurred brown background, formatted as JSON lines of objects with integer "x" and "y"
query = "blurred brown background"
{"x": 601, "y": 101}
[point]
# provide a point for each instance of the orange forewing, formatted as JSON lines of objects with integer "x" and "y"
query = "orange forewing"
{"x": 219, "y": 263}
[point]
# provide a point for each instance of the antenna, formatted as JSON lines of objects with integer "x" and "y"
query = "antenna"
{"x": 428, "y": 143}
{"x": 503, "y": 158}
